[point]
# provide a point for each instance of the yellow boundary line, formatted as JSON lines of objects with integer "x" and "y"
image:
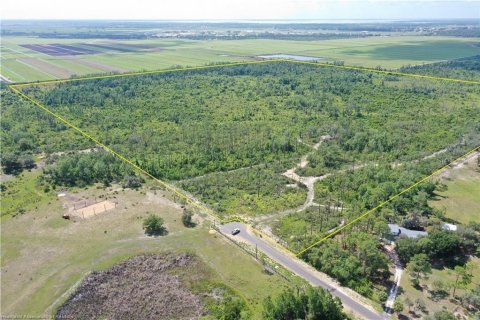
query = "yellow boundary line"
{"x": 363, "y": 215}
{"x": 187, "y": 198}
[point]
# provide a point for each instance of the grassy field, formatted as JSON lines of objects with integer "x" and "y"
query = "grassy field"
{"x": 460, "y": 203}
{"x": 446, "y": 275}
{"x": 44, "y": 255}
{"x": 460, "y": 200}
{"x": 385, "y": 51}
{"x": 23, "y": 193}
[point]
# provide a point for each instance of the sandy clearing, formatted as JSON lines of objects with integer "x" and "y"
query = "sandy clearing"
{"x": 160, "y": 199}
{"x": 460, "y": 163}
{"x": 49, "y": 68}
{"x": 91, "y": 210}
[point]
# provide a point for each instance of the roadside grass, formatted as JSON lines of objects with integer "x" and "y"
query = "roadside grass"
{"x": 44, "y": 255}
{"x": 460, "y": 201}
{"x": 388, "y": 52}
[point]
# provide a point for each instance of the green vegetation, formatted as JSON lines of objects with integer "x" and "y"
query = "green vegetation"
{"x": 247, "y": 191}
{"x": 355, "y": 262}
{"x": 85, "y": 169}
{"x": 226, "y": 136}
{"x": 419, "y": 267}
{"x": 254, "y": 115}
{"x": 187, "y": 218}
{"x": 153, "y": 225}
{"x": 449, "y": 246}
{"x": 464, "y": 68}
{"x": 299, "y": 227}
{"x": 459, "y": 201}
{"x": 435, "y": 293}
{"x": 47, "y": 255}
{"x": 24, "y": 193}
{"x": 120, "y": 55}
{"x": 314, "y": 303}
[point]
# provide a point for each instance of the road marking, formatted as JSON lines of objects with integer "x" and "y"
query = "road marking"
{"x": 193, "y": 201}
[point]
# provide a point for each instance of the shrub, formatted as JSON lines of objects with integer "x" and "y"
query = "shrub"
{"x": 153, "y": 225}
{"x": 187, "y": 218}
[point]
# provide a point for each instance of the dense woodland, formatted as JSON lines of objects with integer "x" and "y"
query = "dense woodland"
{"x": 464, "y": 68}
{"x": 182, "y": 125}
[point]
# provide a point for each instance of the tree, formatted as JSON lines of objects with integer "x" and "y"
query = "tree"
{"x": 406, "y": 248}
{"x": 445, "y": 244}
{"x": 418, "y": 268}
{"x": 153, "y": 225}
{"x": 314, "y": 304}
{"x": 27, "y": 161}
{"x": 231, "y": 308}
{"x": 11, "y": 163}
{"x": 463, "y": 277}
{"x": 383, "y": 295}
{"x": 398, "y": 306}
{"x": 187, "y": 218}
{"x": 132, "y": 182}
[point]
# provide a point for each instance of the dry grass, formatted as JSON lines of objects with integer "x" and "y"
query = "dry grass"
{"x": 44, "y": 255}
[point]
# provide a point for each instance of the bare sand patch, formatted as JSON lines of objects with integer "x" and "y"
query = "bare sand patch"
{"x": 91, "y": 210}
{"x": 84, "y": 208}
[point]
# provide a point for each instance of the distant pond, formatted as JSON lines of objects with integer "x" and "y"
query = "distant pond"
{"x": 289, "y": 56}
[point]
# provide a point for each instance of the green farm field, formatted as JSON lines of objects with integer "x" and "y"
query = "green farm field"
{"x": 20, "y": 64}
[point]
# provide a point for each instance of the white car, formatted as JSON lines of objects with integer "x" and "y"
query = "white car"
{"x": 235, "y": 231}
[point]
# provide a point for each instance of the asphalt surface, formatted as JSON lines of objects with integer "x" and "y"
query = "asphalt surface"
{"x": 296, "y": 266}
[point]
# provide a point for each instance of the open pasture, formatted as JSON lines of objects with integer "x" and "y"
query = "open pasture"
{"x": 44, "y": 256}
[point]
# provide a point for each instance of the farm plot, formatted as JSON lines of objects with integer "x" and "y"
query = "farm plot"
{"x": 44, "y": 66}
{"x": 56, "y": 49}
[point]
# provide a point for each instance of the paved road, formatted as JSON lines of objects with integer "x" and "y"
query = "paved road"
{"x": 296, "y": 266}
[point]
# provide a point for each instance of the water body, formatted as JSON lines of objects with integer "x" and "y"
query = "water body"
{"x": 290, "y": 56}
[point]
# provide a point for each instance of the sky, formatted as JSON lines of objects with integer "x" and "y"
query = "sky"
{"x": 240, "y": 9}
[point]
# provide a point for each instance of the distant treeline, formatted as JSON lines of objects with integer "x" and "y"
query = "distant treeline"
{"x": 208, "y": 31}
{"x": 464, "y": 68}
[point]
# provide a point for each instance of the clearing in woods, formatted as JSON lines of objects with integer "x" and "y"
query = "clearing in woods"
{"x": 460, "y": 201}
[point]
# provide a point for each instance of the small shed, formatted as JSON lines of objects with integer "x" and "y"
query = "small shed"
{"x": 449, "y": 227}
